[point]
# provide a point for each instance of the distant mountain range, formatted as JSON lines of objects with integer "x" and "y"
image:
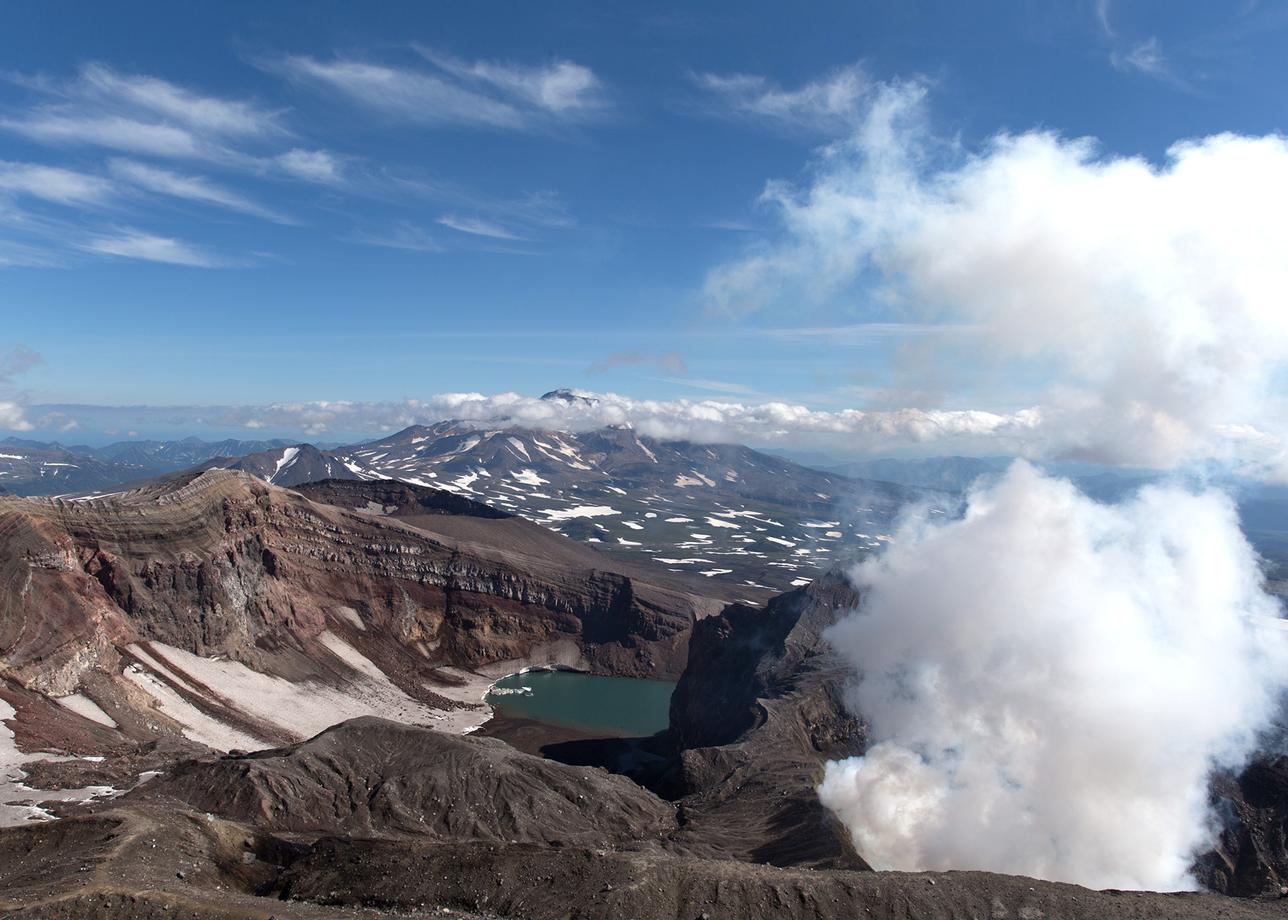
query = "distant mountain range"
{"x": 46, "y": 468}
{"x": 724, "y": 511}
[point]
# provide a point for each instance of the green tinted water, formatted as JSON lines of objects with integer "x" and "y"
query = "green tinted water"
{"x": 616, "y": 706}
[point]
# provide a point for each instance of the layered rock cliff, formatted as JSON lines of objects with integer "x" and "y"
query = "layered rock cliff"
{"x": 210, "y": 605}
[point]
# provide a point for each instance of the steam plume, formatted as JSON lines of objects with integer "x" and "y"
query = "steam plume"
{"x": 1052, "y": 680}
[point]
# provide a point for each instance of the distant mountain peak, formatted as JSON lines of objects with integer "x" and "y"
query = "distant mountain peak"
{"x": 564, "y": 394}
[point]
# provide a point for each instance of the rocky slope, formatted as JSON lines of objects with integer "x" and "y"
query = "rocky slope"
{"x": 378, "y": 817}
{"x": 506, "y": 836}
{"x": 1251, "y": 857}
{"x": 370, "y": 777}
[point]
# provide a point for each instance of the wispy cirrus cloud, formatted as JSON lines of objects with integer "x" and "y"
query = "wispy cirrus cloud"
{"x": 55, "y": 184}
{"x": 452, "y": 92}
{"x": 404, "y": 235}
{"x": 478, "y": 227}
{"x": 831, "y": 103}
{"x": 116, "y": 132}
{"x": 191, "y": 188}
{"x": 144, "y": 115}
{"x": 671, "y": 361}
{"x": 562, "y": 88}
{"x": 205, "y": 114}
{"x": 712, "y": 386}
{"x": 140, "y": 114}
{"x": 1147, "y": 58}
{"x": 128, "y": 243}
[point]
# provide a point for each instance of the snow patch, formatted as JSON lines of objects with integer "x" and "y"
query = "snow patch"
{"x": 530, "y": 478}
{"x": 85, "y": 707}
{"x": 581, "y": 511}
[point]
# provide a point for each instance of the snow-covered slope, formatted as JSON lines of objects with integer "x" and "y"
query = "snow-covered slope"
{"x": 722, "y": 510}
{"x": 291, "y": 466}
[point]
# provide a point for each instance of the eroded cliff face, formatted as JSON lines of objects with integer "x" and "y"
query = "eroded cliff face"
{"x": 217, "y": 591}
{"x": 755, "y": 716}
{"x": 1250, "y": 857}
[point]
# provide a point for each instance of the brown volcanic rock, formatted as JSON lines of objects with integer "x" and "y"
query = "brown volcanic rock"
{"x": 373, "y": 777}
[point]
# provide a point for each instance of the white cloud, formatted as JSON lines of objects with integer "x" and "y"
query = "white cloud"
{"x": 191, "y": 188}
{"x": 478, "y": 94}
{"x": 52, "y": 183}
{"x": 135, "y": 244}
{"x": 477, "y": 227}
{"x": 1151, "y": 294}
{"x": 312, "y": 165}
{"x": 19, "y": 359}
{"x": 1049, "y": 681}
{"x": 716, "y": 421}
{"x": 12, "y": 417}
{"x": 833, "y": 103}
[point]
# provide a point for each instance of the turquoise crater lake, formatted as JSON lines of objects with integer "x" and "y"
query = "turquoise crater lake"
{"x": 614, "y": 706}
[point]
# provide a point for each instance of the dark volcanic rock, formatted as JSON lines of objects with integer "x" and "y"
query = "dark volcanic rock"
{"x": 543, "y": 884}
{"x": 394, "y": 497}
{"x": 1251, "y": 857}
{"x": 143, "y": 862}
{"x": 372, "y": 777}
{"x": 756, "y": 714}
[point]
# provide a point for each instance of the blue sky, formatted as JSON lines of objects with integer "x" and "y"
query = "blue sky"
{"x": 248, "y": 203}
